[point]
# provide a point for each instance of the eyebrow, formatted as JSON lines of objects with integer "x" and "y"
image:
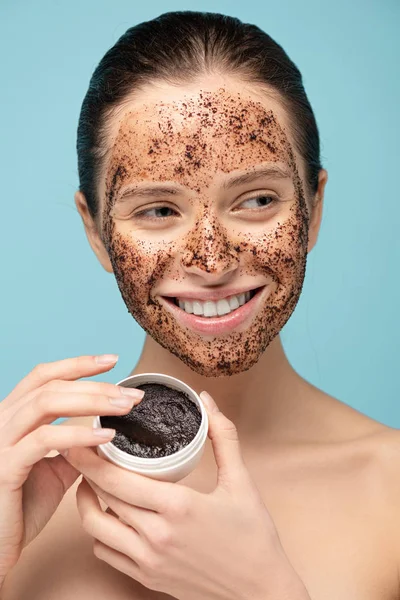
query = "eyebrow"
{"x": 155, "y": 189}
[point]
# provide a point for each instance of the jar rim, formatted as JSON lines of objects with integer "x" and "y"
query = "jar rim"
{"x": 170, "y": 462}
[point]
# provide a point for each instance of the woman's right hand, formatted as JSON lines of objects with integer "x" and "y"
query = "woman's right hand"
{"x": 31, "y": 484}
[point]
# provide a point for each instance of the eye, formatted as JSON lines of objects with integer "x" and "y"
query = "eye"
{"x": 264, "y": 198}
{"x": 267, "y": 201}
{"x": 163, "y": 209}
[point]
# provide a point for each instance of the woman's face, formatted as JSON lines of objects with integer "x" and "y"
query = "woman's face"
{"x": 206, "y": 235}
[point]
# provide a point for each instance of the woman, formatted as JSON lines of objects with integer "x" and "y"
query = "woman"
{"x": 190, "y": 121}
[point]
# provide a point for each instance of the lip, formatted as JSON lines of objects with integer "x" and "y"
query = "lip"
{"x": 216, "y": 325}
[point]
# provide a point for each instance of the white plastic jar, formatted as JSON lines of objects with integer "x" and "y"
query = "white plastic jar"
{"x": 171, "y": 468}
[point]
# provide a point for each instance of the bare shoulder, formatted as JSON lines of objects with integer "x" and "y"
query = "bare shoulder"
{"x": 357, "y": 443}
{"x": 384, "y": 448}
{"x": 383, "y": 479}
{"x": 374, "y": 444}
{"x": 387, "y": 478}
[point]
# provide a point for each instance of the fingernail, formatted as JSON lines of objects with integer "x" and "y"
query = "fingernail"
{"x": 132, "y": 392}
{"x": 208, "y": 401}
{"x": 107, "y": 359}
{"x": 122, "y": 402}
{"x": 105, "y": 433}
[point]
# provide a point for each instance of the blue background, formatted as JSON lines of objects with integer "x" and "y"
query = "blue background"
{"x": 56, "y": 299}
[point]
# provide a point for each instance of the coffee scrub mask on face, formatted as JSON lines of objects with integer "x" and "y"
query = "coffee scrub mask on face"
{"x": 188, "y": 142}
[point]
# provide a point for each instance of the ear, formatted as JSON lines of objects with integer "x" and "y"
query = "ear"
{"x": 316, "y": 217}
{"x": 92, "y": 232}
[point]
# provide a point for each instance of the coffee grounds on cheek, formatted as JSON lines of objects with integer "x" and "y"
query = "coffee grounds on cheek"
{"x": 163, "y": 422}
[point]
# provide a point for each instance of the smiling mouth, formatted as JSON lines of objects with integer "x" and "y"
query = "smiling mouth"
{"x": 196, "y": 309}
{"x": 216, "y": 325}
{"x": 176, "y": 301}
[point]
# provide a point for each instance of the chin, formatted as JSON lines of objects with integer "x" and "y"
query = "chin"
{"x": 213, "y": 356}
{"x": 217, "y": 366}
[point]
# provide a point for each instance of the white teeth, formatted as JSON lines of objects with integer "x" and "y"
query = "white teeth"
{"x": 234, "y": 302}
{"x": 213, "y": 309}
{"x": 223, "y": 308}
{"x": 186, "y": 306}
{"x": 196, "y": 308}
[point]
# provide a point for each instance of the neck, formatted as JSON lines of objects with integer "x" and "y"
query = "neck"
{"x": 263, "y": 402}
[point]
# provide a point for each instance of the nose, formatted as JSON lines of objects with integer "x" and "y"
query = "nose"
{"x": 209, "y": 253}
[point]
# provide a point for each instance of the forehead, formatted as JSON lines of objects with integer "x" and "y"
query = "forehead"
{"x": 171, "y": 134}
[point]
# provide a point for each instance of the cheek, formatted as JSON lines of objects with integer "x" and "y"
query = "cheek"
{"x": 138, "y": 265}
{"x": 281, "y": 253}
{"x": 129, "y": 260}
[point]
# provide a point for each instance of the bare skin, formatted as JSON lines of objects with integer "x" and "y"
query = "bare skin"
{"x": 326, "y": 472}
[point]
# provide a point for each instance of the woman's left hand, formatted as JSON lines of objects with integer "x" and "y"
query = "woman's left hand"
{"x": 221, "y": 546}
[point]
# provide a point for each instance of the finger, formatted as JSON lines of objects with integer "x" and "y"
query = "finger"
{"x": 105, "y": 528}
{"x": 68, "y": 369}
{"x": 81, "y": 387}
{"x": 88, "y": 387}
{"x": 128, "y": 486}
{"x": 225, "y": 443}
{"x": 142, "y": 520}
{"x": 17, "y": 461}
{"x": 49, "y": 406}
{"x": 119, "y": 561}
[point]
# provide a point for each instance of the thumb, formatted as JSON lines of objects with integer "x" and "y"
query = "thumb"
{"x": 225, "y": 442}
{"x": 65, "y": 472}
{"x": 41, "y": 500}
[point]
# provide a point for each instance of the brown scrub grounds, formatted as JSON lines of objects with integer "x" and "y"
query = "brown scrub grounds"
{"x": 163, "y": 422}
{"x": 188, "y": 142}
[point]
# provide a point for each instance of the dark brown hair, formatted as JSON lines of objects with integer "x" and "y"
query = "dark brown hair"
{"x": 177, "y": 48}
